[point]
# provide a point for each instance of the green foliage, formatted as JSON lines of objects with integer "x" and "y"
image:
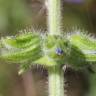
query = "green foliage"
{"x": 86, "y": 44}
{"x": 22, "y": 48}
{"x": 51, "y": 44}
{"x": 75, "y": 49}
{"x": 51, "y": 50}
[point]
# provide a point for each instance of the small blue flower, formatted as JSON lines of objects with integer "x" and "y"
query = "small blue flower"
{"x": 59, "y": 51}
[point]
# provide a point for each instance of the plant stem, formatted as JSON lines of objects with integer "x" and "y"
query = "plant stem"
{"x": 56, "y": 79}
{"x": 56, "y": 85}
{"x": 54, "y": 17}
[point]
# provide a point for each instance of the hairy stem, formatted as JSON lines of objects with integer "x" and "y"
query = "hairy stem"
{"x": 54, "y": 17}
{"x": 56, "y": 79}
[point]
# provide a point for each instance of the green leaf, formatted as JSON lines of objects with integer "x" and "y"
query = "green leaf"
{"x": 46, "y": 61}
{"x": 22, "y": 48}
{"x": 82, "y": 50}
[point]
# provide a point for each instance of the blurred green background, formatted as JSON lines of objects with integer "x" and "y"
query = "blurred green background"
{"x": 15, "y": 15}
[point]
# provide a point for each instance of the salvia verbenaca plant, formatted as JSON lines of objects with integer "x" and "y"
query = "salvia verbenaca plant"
{"x": 51, "y": 50}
